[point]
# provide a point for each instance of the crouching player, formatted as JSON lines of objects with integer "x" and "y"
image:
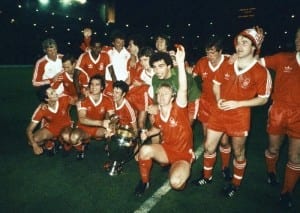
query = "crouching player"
{"x": 94, "y": 112}
{"x": 53, "y": 115}
{"x": 175, "y": 149}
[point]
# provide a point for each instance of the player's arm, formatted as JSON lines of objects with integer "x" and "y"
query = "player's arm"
{"x": 182, "y": 79}
{"x": 76, "y": 83}
{"x": 29, "y": 132}
{"x": 83, "y": 119}
{"x": 153, "y": 131}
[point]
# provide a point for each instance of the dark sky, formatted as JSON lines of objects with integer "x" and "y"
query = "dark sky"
{"x": 171, "y": 17}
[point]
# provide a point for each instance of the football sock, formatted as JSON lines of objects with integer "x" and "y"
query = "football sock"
{"x": 208, "y": 164}
{"x": 292, "y": 174}
{"x": 238, "y": 171}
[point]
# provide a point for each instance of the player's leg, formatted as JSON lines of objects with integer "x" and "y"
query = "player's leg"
{"x": 41, "y": 136}
{"x": 179, "y": 173}
{"x": 225, "y": 152}
{"x": 146, "y": 155}
{"x": 210, "y": 146}
{"x": 239, "y": 165}
{"x": 271, "y": 157}
{"x": 292, "y": 172}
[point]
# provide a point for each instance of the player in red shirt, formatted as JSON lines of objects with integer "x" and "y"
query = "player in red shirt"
{"x": 93, "y": 115}
{"x": 284, "y": 118}
{"x": 206, "y": 68}
{"x": 175, "y": 149}
{"x": 140, "y": 82}
{"x": 90, "y": 63}
{"x": 49, "y": 66}
{"x": 66, "y": 78}
{"x": 237, "y": 87}
{"x": 123, "y": 109}
{"x": 54, "y": 117}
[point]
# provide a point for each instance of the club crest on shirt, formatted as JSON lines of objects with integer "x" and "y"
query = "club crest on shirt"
{"x": 227, "y": 76}
{"x": 244, "y": 83}
{"x": 90, "y": 66}
{"x": 172, "y": 122}
{"x": 287, "y": 69}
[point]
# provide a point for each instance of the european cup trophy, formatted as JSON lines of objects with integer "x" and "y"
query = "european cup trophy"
{"x": 120, "y": 149}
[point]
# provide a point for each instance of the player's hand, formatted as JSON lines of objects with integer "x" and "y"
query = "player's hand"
{"x": 180, "y": 53}
{"x": 152, "y": 109}
{"x": 37, "y": 150}
{"x": 228, "y": 105}
{"x": 87, "y": 32}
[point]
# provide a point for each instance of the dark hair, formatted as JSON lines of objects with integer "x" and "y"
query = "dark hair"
{"x": 161, "y": 56}
{"x": 68, "y": 57}
{"x": 117, "y": 34}
{"x": 164, "y": 36}
{"x": 41, "y": 93}
{"x": 214, "y": 41}
{"x": 99, "y": 78}
{"x": 95, "y": 41}
{"x": 145, "y": 51}
{"x": 137, "y": 39}
{"x": 121, "y": 85}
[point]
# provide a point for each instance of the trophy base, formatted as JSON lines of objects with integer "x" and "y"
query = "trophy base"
{"x": 113, "y": 169}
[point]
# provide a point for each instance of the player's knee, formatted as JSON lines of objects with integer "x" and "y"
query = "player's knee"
{"x": 145, "y": 151}
{"x": 177, "y": 183}
{"x": 75, "y": 137}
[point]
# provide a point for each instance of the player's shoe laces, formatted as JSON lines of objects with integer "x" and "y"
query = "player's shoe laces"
{"x": 141, "y": 188}
{"x": 80, "y": 156}
{"x": 227, "y": 174}
{"x": 272, "y": 179}
{"x": 230, "y": 190}
{"x": 286, "y": 200}
{"x": 202, "y": 181}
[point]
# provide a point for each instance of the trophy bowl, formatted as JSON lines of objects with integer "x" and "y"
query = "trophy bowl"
{"x": 120, "y": 149}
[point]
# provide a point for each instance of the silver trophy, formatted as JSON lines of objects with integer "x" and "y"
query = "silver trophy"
{"x": 120, "y": 149}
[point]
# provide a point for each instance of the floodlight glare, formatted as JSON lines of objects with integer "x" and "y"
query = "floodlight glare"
{"x": 81, "y": 1}
{"x": 44, "y": 2}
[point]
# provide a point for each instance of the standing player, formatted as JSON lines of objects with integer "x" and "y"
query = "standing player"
{"x": 49, "y": 66}
{"x": 237, "y": 87}
{"x": 119, "y": 57}
{"x": 206, "y": 68}
{"x": 284, "y": 118}
{"x": 55, "y": 118}
{"x": 89, "y": 64}
{"x": 93, "y": 115}
{"x": 175, "y": 149}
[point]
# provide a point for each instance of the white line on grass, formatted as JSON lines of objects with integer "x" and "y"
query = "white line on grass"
{"x": 151, "y": 202}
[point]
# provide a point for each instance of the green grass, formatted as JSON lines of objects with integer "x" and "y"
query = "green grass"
{"x": 62, "y": 184}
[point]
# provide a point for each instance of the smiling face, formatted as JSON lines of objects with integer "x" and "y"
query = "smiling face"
{"x": 69, "y": 67}
{"x": 118, "y": 44}
{"x": 213, "y": 55}
{"x": 244, "y": 46}
{"x": 51, "y": 52}
{"x": 118, "y": 95}
{"x": 161, "y": 69}
{"x": 95, "y": 87}
{"x": 161, "y": 44}
{"x": 51, "y": 94}
{"x": 164, "y": 96}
